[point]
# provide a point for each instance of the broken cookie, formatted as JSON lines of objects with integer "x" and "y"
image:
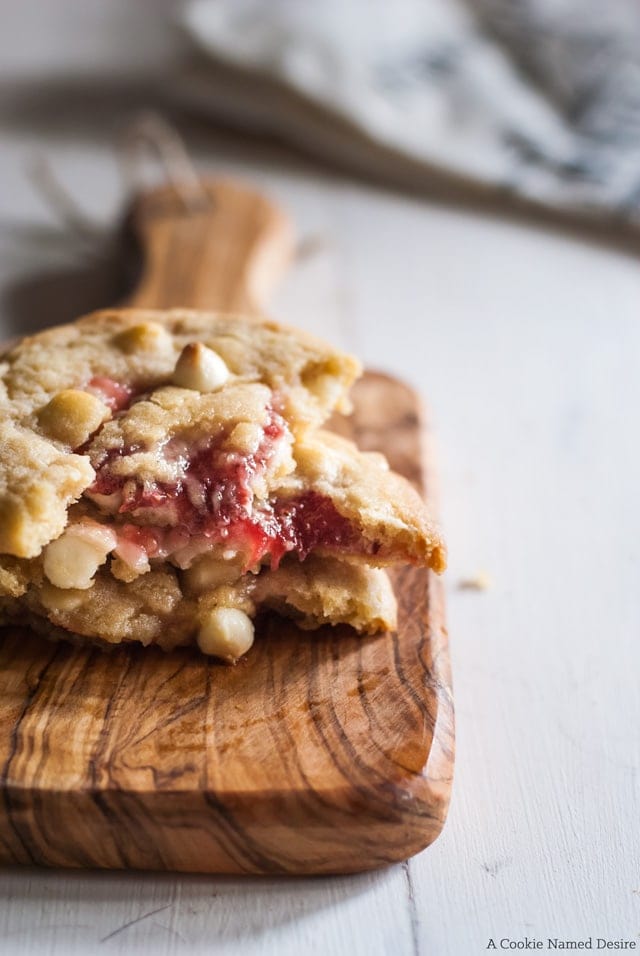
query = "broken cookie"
{"x": 164, "y": 476}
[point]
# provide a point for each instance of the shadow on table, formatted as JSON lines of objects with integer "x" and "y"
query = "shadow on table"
{"x": 71, "y": 281}
{"x": 34, "y": 302}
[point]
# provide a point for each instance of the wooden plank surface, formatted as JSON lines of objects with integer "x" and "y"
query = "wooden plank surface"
{"x": 320, "y": 752}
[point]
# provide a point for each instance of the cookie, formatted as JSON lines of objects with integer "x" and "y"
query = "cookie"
{"x": 164, "y": 476}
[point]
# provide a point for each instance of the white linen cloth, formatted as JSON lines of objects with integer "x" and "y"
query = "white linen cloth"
{"x": 539, "y": 99}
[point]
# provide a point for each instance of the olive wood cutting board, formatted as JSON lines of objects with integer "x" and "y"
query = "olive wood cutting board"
{"x": 319, "y": 752}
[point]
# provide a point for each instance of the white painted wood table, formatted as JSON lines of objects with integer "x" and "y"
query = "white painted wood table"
{"x": 526, "y": 344}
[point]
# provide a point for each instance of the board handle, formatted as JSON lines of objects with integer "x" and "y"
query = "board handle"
{"x": 223, "y": 248}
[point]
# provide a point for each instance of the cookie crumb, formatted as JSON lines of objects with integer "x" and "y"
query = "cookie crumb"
{"x": 478, "y": 582}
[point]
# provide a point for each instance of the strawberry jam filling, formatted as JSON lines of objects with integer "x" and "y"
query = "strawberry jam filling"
{"x": 115, "y": 395}
{"x": 304, "y": 523}
{"x": 300, "y": 524}
{"x": 212, "y": 502}
{"x": 213, "y": 483}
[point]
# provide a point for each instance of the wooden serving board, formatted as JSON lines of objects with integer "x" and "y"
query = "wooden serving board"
{"x": 318, "y": 752}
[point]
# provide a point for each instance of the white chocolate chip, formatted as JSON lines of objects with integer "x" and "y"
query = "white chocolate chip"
{"x": 61, "y": 599}
{"x": 226, "y": 632}
{"x": 200, "y": 369}
{"x": 145, "y": 337}
{"x": 209, "y": 572}
{"x": 133, "y": 556}
{"x": 72, "y": 416}
{"x": 72, "y": 560}
{"x": 123, "y": 571}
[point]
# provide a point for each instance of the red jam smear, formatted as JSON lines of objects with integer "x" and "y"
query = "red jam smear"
{"x": 301, "y": 525}
{"x": 213, "y": 499}
{"x": 215, "y": 482}
{"x": 114, "y": 394}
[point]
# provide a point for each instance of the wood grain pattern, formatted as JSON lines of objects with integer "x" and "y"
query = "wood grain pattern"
{"x": 225, "y": 248}
{"x": 317, "y": 753}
